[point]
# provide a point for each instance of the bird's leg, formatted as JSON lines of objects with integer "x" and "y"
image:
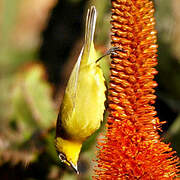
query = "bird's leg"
{"x": 111, "y": 51}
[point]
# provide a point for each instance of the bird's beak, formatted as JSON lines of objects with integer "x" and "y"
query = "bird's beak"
{"x": 75, "y": 168}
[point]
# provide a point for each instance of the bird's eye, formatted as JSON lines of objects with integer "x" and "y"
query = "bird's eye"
{"x": 62, "y": 157}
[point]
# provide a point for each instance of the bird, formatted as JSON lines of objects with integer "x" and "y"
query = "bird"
{"x": 83, "y": 105}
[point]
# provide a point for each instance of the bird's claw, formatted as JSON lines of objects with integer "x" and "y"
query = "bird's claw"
{"x": 111, "y": 51}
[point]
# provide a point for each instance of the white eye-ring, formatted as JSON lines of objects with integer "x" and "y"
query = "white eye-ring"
{"x": 62, "y": 157}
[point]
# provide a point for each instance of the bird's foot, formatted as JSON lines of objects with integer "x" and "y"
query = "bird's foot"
{"x": 111, "y": 51}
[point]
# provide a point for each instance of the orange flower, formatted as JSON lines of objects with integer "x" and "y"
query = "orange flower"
{"x": 132, "y": 148}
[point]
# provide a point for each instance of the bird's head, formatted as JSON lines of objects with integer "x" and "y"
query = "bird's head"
{"x": 68, "y": 152}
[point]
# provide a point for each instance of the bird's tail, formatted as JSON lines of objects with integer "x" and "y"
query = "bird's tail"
{"x": 89, "y": 30}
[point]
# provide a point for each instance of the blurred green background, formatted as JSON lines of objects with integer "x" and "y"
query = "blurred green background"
{"x": 39, "y": 44}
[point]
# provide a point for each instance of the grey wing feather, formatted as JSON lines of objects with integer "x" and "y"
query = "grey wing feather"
{"x": 89, "y": 35}
{"x": 73, "y": 80}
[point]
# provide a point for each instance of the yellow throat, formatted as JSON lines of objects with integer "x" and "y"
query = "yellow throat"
{"x": 70, "y": 148}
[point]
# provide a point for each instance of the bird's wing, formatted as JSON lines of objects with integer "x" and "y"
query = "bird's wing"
{"x": 71, "y": 88}
{"x": 84, "y": 55}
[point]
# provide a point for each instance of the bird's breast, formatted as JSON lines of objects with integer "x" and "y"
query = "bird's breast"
{"x": 89, "y": 107}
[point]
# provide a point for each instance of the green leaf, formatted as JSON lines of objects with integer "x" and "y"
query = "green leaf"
{"x": 33, "y": 105}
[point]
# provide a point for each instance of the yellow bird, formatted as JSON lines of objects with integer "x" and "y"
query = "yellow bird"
{"x": 82, "y": 108}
